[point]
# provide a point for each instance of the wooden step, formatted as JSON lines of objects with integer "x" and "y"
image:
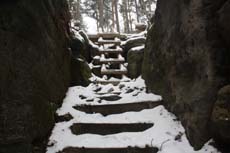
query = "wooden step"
{"x": 102, "y": 41}
{"x": 108, "y": 128}
{"x": 121, "y": 71}
{"x": 118, "y": 60}
{"x": 117, "y": 108}
{"x": 94, "y": 37}
{"x": 109, "y": 35}
{"x": 105, "y": 82}
{"x": 111, "y": 150}
{"x": 118, "y": 50}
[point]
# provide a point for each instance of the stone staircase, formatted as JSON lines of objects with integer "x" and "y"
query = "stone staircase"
{"x": 109, "y": 129}
{"x": 111, "y": 60}
{"x": 109, "y": 103}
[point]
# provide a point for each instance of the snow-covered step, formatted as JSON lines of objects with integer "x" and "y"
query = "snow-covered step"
{"x": 111, "y": 150}
{"x": 109, "y": 109}
{"x": 118, "y": 50}
{"x": 104, "y": 82}
{"x": 121, "y": 71}
{"x": 109, "y": 35}
{"x": 118, "y": 60}
{"x": 108, "y": 128}
{"x": 102, "y": 41}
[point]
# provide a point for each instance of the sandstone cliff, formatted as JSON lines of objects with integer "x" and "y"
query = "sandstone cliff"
{"x": 35, "y": 70}
{"x": 187, "y": 60}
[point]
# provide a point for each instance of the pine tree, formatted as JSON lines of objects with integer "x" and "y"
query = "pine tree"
{"x": 117, "y": 16}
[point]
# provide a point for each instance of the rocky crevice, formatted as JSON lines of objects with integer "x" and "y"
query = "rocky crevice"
{"x": 186, "y": 60}
{"x": 35, "y": 71}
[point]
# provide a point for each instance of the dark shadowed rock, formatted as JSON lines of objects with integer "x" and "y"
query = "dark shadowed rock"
{"x": 224, "y": 22}
{"x": 221, "y": 117}
{"x": 135, "y": 58}
{"x": 63, "y": 118}
{"x": 187, "y": 60}
{"x": 35, "y": 71}
{"x": 80, "y": 72}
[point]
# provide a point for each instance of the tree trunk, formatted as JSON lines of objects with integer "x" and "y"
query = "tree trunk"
{"x": 126, "y": 18}
{"x": 117, "y": 16}
{"x": 78, "y": 11}
{"x": 101, "y": 15}
{"x": 137, "y": 11}
{"x": 113, "y": 14}
{"x": 130, "y": 17}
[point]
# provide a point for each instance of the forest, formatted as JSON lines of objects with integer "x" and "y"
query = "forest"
{"x": 113, "y": 15}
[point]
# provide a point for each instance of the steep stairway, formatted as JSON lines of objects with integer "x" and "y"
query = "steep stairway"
{"x": 116, "y": 115}
{"x": 111, "y": 61}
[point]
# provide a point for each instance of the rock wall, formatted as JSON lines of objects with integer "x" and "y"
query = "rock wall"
{"x": 35, "y": 71}
{"x": 187, "y": 60}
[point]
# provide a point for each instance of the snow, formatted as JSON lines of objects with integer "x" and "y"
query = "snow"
{"x": 93, "y": 45}
{"x": 123, "y": 43}
{"x": 138, "y": 48}
{"x": 123, "y": 68}
{"x": 161, "y": 135}
{"x": 120, "y": 57}
{"x": 90, "y": 23}
{"x": 141, "y": 34}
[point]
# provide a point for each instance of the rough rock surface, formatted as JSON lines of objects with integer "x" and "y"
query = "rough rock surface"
{"x": 135, "y": 58}
{"x": 131, "y": 43}
{"x": 220, "y": 125}
{"x": 80, "y": 72}
{"x": 187, "y": 60}
{"x": 35, "y": 71}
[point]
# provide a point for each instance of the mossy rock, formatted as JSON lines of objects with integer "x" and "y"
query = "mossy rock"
{"x": 135, "y": 59}
{"x": 220, "y": 121}
{"x": 80, "y": 71}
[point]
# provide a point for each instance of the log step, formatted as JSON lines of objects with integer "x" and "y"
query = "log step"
{"x": 113, "y": 72}
{"x": 109, "y": 35}
{"x": 117, "y": 108}
{"x": 111, "y": 150}
{"x": 112, "y": 51}
{"x": 105, "y": 82}
{"x": 118, "y": 60}
{"x": 121, "y": 71}
{"x": 102, "y": 41}
{"x": 108, "y": 128}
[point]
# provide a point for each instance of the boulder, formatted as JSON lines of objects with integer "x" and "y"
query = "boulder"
{"x": 96, "y": 70}
{"x": 220, "y": 121}
{"x": 81, "y": 45}
{"x": 186, "y": 60}
{"x": 80, "y": 72}
{"x": 78, "y": 45}
{"x": 35, "y": 71}
{"x": 131, "y": 43}
{"x": 135, "y": 58}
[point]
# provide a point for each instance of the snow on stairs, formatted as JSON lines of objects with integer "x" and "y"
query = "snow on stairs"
{"x": 111, "y": 102}
{"x": 115, "y": 41}
{"x": 117, "y": 108}
{"x": 111, "y": 59}
{"x": 112, "y": 51}
{"x": 121, "y": 71}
